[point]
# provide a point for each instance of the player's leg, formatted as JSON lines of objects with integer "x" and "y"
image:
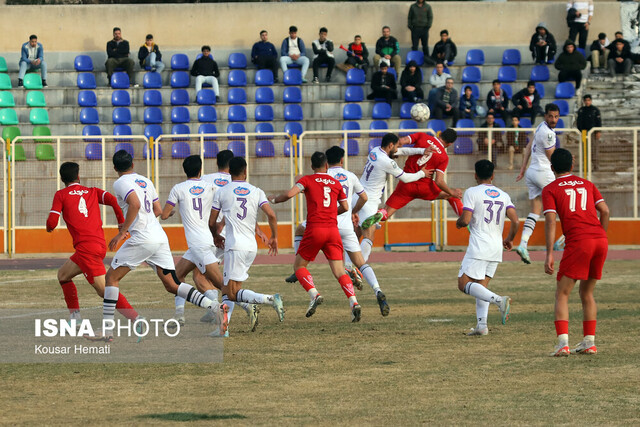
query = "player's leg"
{"x": 473, "y": 277}
{"x": 122, "y": 305}
{"x": 589, "y": 317}
{"x": 110, "y": 298}
{"x": 333, "y": 252}
{"x": 371, "y": 279}
{"x": 306, "y": 280}
{"x": 351, "y": 245}
{"x": 529, "y": 226}
{"x": 368, "y": 211}
{"x": 66, "y": 273}
{"x": 454, "y": 202}
{"x": 183, "y": 267}
{"x": 561, "y": 311}
{"x": 297, "y": 238}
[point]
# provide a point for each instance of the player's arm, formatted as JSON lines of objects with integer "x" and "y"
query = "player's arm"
{"x": 273, "y": 225}
{"x": 410, "y": 151}
{"x": 54, "y": 213}
{"x": 525, "y": 161}
{"x": 283, "y": 197}
{"x": 442, "y": 185}
{"x": 362, "y": 199}
{"x": 263, "y": 237}
{"x": 604, "y": 214}
{"x": 550, "y": 236}
{"x": 132, "y": 212}
{"x": 157, "y": 208}
{"x": 515, "y": 224}
{"x": 343, "y": 206}
{"x": 218, "y": 240}
{"x": 464, "y": 219}
{"x": 167, "y": 212}
{"x": 109, "y": 199}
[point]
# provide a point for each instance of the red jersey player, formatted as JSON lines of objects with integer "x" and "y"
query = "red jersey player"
{"x": 577, "y": 202}
{"x": 79, "y": 207}
{"x": 326, "y": 199}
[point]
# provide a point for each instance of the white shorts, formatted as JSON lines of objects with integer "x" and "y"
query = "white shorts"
{"x": 236, "y": 265}
{"x": 369, "y": 208}
{"x": 202, "y": 256}
{"x": 477, "y": 268}
{"x": 350, "y": 241}
{"x": 536, "y": 180}
{"x": 133, "y": 254}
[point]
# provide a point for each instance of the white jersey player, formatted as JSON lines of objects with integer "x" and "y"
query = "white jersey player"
{"x": 485, "y": 208}
{"x": 538, "y": 174}
{"x": 239, "y": 202}
{"x": 138, "y": 199}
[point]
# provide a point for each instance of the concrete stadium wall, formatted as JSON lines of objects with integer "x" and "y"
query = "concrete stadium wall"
{"x": 87, "y": 28}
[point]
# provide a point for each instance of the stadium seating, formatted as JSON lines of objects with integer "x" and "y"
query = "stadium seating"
{"x": 353, "y": 148}
{"x": 293, "y": 128}
{"x": 179, "y": 61}
{"x": 475, "y": 57}
{"x": 463, "y": 145}
{"x": 5, "y": 82}
{"x": 153, "y": 131}
{"x": 207, "y": 113}
{"x": 180, "y": 149}
{"x": 356, "y": 76}
{"x": 352, "y": 112}
{"x": 237, "y": 113}
{"x": 540, "y": 89}
{"x": 39, "y": 116}
{"x": 264, "y": 78}
{"x": 582, "y": 51}
{"x": 152, "y": 81}
{"x": 539, "y": 73}
{"x": 121, "y": 116}
{"x": 393, "y": 72}
{"x": 83, "y": 81}
{"x": 293, "y": 113}
{"x": 286, "y": 150}
{"x": 87, "y": 98}
{"x": 208, "y": 128}
{"x": 93, "y": 151}
{"x": 145, "y": 151}
{"x": 559, "y": 125}
{"x": 265, "y": 148}
{"x": 19, "y": 153}
{"x": 565, "y": 90}
{"x": 152, "y": 98}
{"x": 126, "y": 147}
{"x": 292, "y": 95}
{"x": 525, "y": 122}
{"x": 354, "y": 94}
{"x": 263, "y": 113}
{"x": 511, "y": 57}
{"x": 10, "y": 133}
{"x": 152, "y": 115}
{"x": 507, "y": 89}
{"x": 210, "y": 148}
{"x": 465, "y": 123}
{"x": 507, "y": 73}
{"x": 120, "y": 98}
{"x": 8, "y": 116}
{"x": 352, "y": 126}
{"x": 475, "y": 91}
{"x": 35, "y": 98}
{"x": 122, "y": 130}
{"x": 292, "y": 77}
{"x": 206, "y": 97}
{"x": 45, "y": 152}
{"x": 408, "y": 124}
{"x": 235, "y": 128}
{"x": 237, "y": 148}
{"x": 6, "y": 100}
{"x": 32, "y": 81}
{"x": 236, "y": 95}
{"x": 381, "y": 111}
{"x": 179, "y": 97}
{"x": 180, "y": 115}
{"x": 264, "y": 127}
{"x": 500, "y": 122}
{"x": 415, "y": 55}
{"x": 120, "y": 80}
{"x": 41, "y": 131}
{"x": 563, "y": 106}
{"x": 405, "y": 110}
{"x": 264, "y": 95}
{"x": 373, "y": 143}
{"x": 378, "y": 125}
{"x": 83, "y": 63}
{"x": 237, "y": 60}
{"x": 3, "y": 65}
{"x": 237, "y": 78}
{"x": 91, "y": 130}
{"x": 179, "y": 79}
{"x": 471, "y": 74}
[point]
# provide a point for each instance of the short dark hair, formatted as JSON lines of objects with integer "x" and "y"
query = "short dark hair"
{"x": 293, "y": 29}
{"x": 318, "y": 159}
{"x": 357, "y": 36}
{"x": 122, "y": 161}
{"x": 237, "y": 165}
{"x": 618, "y": 32}
{"x": 263, "y": 31}
{"x": 69, "y": 172}
{"x": 223, "y": 158}
{"x": 205, "y": 47}
{"x": 387, "y": 27}
{"x": 116, "y": 29}
{"x": 495, "y": 81}
{"x": 192, "y": 166}
{"x": 33, "y": 36}
{"x": 602, "y": 36}
{"x": 484, "y": 169}
{"x": 561, "y": 160}
{"x": 444, "y": 32}
{"x": 388, "y": 139}
{"x": 449, "y": 135}
{"x": 587, "y": 96}
{"x": 550, "y": 107}
{"x": 149, "y": 37}
{"x": 490, "y": 113}
{"x": 334, "y": 155}
{"x": 531, "y": 83}
{"x": 323, "y": 30}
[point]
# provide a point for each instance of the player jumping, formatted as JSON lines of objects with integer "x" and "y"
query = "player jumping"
{"x": 484, "y": 211}
{"x": 577, "y": 202}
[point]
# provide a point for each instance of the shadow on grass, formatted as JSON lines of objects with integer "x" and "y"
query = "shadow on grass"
{"x": 191, "y": 416}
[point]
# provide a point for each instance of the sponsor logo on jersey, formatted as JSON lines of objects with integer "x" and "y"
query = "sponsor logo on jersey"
{"x": 141, "y": 183}
{"x": 325, "y": 181}
{"x": 241, "y": 191}
{"x": 492, "y": 192}
{"x": 572, "y": 183}
{"x": 372, "y": 156}
{"x": 78, "y": 192}
{"x": 196, "y": 190}
{"x": 341, "y": 177}
{"x": 220, "y": 182}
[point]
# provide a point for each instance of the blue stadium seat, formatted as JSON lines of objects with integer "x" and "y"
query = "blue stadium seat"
{"x": 237, "y": 113}
{"x": 179, "y": 97}
{"x": 180, "y": 115}
{"x": 180, "y": 129}
{"x": 122, "y": 130}
{"x": 146, "y": 152}
{"x": 292, "y": 77}
{"x": 233, "y": 128}
{"x": 500, "y": 122}
{"x": 373, "y": 143}
{"x": 565, "y": 90}
{"x": 206, "y": 97}
{"x": 351, "y": 126}
{"x": 87, "y": 98}
{"x": 207, "y": 113}
{"x": 381, "y": 111}
{"x": 540, "y": 89}
{"x": 152, "y": 81}
{"x": 525, "y": 122}
{"x": 352, "y": 112}
{"x": 237, "y": 78}
{"x": 559, "y": 125}
{"x": 179, "y": 79}
{"x": 293, "y": 113}
{"x": 465, "y": 123}
{"x": 436, "y": 125}
{"x": 408, "y": 124}
{"x": 152, "y": 98}
{"x": 563, "y": 106}
{"x": 507, "y": 89}
{"x": 378, "y": 125}
{"x": 265, "y": 148}
{"x": 120, "y": 98}
{"x": 263, "y": 113}
{"x": 292, "y": 95}
{"x": 471, "y": 75}
{"x": 264, "y": 127}
{"x": 539, "y": 73}
{"x": 511, "y": 57}
{"x": 475, "y": 91}
{"x": 153, "y": 131}
{"x": 415, "y": 55}
{"x": 237, "y": 60}
{"x": 264, "y": 95}
{"x": 293, "y": 128}
{"x": 237, "y": 148}
{"x": 287, "y": 148}
{"x": 264, "y": 77}
{"x": 86, "y": 81}
{"x": 93, "y": 151}
{"x": 152, "y": 115}
{"x": 353, "y": 148}
{"x": 91, "y": 130}
{"x": 582, "y": 51}
{"x": 405, "y": 110}
{"x": 237, "y": 95}
{"x": 393, "y": 72}
{"x": 356, "y": 76}
{"x": 128, "y": 147}
{"x": 354, "y": 94}
{"x": 89, "y": 116}
{"x": 180, "y": 150}
{"x": 507, "y": 74}
{"x": 475, "y": 57}
{"x": 120, "y": 80}
{"x": 208, "y": 128}
{"x": 463, "y": 145}
{"x": 121, "y": 116}
{"x": 83, "y": 63}
{"x": 210, "y": 148}
{"x": 179, "y": 61}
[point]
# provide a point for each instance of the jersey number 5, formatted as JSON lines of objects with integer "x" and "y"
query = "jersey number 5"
{"x": 327, "y": 197}
{"x": 572, "y": 198}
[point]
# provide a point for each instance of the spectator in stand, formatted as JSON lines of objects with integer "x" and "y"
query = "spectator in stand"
{"x": 357, "y": 55}
{"x": 496, "y": 139}
{"x": 527, "y": 101}
{"x": 437, "y": 80}
{"x": 543, "y": 45}
{"x": 293, "y": 51}
{"x": 516, "y": 141}
{"x": 498, "y": 101}
{"x": 599, "y": 53}
{"x": 32, "y": 58}
{"x": 446, "y": 101}
{"x": 618, "y": 36}
{"x": 468, "y": 104}
{"x": 420, "y": 19}
{"x": 570, "y": 63}
{"x": 620, "y": 59}
{"x": 388, "y": 49}
{"x": 589, "y": 117}
{"x": 149, "y": 55}
{"x": 118, "y": 56}
{"x": 411, "y": 82}
{"x": 264, "y": 55}
{"x": 383, "y": 84}
{"x": 323, "y": 55}
{"x": 581, "y": 22}
{"x": 205, "y": 70}
{"x": 445, "y": 50}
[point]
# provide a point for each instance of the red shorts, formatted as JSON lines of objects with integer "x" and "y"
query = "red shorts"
{"x": 405, "y": 193}
{"x": 89, "y": 258}
{"x": 323, "y": 239}
{"x": 584, "y": 259}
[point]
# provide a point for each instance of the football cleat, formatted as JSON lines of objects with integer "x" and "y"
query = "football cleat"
{"x": 178, "y": 318}
{"x": 314, "y": 304}
{"x": 585, "y": 347}
{"x": 559, "y": 244}
{"x": 253, "y": 316}
{"x": 382, "y": 302}
{"x": 209, "y": 317}
{"x": 477, "y": 331}
{"x": 226, "y": 334}
{"x": 278, "y": 307}
{"x": 356, "y": 313}
{"x": 291, "y": 279}
{"x": 224, "y": 314}
{"x": 100, "y": 336}
{"x": 356, "y": 277}
{"x": 181, "y": 320}
{"x": 139, "y": 328}
{"x": 372, "y": 220}
{"x": 524, "y": 254}
{"x": 561, "y": 350}
{"x": 505, "y": 307}
{"x": 75, "y": 316}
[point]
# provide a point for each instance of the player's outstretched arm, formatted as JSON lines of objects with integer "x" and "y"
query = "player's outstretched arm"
{"x": 464, "y": 219}
{"x": 132, "y": 212}
{"x": 283, "y": 197}
{"x": 515, "y": 224}
{"x": 110, "y": 200}
{"x": 525, "y": 161}
{"x": 411, "y": 151}
{"x": 604, "y": 214}
{"x": 550, "y": 236}
{"x": 54, "y": 213}
{"x": 167, "y": 212}
{"x": 442, "y": 184}
{"x": 273, "y": 225}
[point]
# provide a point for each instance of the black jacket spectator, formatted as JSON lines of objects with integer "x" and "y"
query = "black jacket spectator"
{"x": 546, "y": 53}
{"x": 384, "y": 86}
{"x": 143, "y": 52}
{"x": 358, "y": 50}
{"x": 498, "y": 103}
{"x": 117, "y": 49}
{"x": 530, "y": 103}
{"x": 570, "y": 63}
{"x": 588, "y": 117}
{"x": 444, "y": 98}
{"x": 620, "y": 61}
{"x": 444, "y": 51}
{"x": 205, "y": 66}
{"x": 387, "y": 47}
{"x": 626, "y": 48}
{"x": 415, "y": 80}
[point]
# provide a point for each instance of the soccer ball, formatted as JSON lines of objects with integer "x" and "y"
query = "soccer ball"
{"x": 420, "y": 112}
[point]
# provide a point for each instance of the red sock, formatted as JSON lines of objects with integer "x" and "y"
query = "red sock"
{"x": 562, "y": 327}
{"x": 125, "y": 308}
{"x": 347, "y": 285}
{"x": 70, "y": 295}
{"x": 305, "y": 278}
{"x": 589, "y": 327}
{"x": 456, "y": 205}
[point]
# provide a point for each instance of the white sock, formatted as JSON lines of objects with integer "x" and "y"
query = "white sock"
{"x": 248, "y": 296}
{"x": 482, "y": 312}
{"x": 365, "y": 247}
{"x": 477, "y": 290}
{"x": 352, "y": 301}
{"x": 527, "y": 230}
{"x": 370, "y": 277}
{"x": 313, "y": 293}
{"x": 111, "y": 294}
{"x": 347, "y": 261}
{"x": 563, "y": 339}
{"x": 192, "y": 295}
{"x": 590, "y": 338}
{"x": 179, "y": 301}
{"x": 243, "y": 305}
{"x": 296, "y": 243}
{"x": 212, "y": 294}
{"x": 229, "y": 304}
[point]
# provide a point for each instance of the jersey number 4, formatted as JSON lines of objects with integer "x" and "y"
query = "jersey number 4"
{"x": 572, "y": 198}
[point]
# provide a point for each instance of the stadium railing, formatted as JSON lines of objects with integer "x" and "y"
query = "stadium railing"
{"x": 6, "y": 151}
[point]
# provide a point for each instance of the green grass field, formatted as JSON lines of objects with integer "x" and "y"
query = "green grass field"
{"x": 414, "y": 367}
